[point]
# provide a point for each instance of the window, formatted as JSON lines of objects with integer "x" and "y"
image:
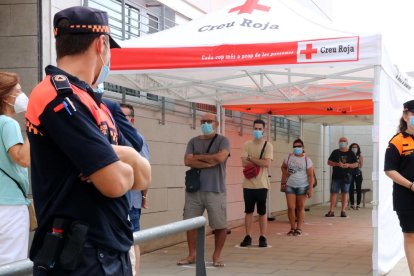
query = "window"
{"x": 136, "y": 22}
{"x": 152, "y": 97}
{"x": 206, "y": 108}
{"x": 152, "y": 24}
{"x": 132, "y": 22}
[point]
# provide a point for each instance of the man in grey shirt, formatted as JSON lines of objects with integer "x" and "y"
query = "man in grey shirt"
{"x": 212, "y": 193}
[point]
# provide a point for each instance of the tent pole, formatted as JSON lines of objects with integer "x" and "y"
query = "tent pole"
{"x": 375, "y": 168}
{"x": 220, "y": 129}
{"x": 269, "y": 213}
{"x": 323, "y": 162}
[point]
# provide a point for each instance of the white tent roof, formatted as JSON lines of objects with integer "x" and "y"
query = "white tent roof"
{"x": 251, "y": 51}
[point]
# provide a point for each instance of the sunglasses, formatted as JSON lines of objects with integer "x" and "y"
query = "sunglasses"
{"x": 297, "y": 146}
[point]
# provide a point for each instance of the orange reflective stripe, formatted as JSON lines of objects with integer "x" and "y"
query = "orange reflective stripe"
{"x": 98, "y": 113}
{"x": 404, "y": 145}
{"x": 40, "y": 97}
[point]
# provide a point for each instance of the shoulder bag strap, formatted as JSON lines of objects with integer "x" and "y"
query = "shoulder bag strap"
{"x": 17, "y": 183}
{"x": 261, "y": 153}
{"x": 211, "y": 143}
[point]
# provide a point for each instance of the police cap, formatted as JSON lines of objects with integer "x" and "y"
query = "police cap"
{"x": 409, "y": 106}
{"x": 83, "y": 20}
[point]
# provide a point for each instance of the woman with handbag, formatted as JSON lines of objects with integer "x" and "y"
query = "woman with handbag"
{"x": 297, "y": 182}
{"x": 14, "y": 179}
{"x": 356, "y": 182}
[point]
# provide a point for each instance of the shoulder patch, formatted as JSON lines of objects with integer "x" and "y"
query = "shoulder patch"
{"x": 61, "y": 84}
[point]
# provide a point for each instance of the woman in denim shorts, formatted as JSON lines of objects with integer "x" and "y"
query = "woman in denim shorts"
{"x": 297, "y": 183}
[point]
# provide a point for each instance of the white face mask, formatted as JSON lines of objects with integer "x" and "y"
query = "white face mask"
{"x": 20, "y": 104}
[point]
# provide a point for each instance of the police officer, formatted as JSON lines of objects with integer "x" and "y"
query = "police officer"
{"x": 398, "y": 165}
{"x": 79, "y": 172}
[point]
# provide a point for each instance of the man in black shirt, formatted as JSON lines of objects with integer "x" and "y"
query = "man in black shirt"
{"x": 342, "y": 161}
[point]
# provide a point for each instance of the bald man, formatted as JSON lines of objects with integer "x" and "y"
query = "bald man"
{"x": 342, "y": 161}
{"x": 208, "y": 153}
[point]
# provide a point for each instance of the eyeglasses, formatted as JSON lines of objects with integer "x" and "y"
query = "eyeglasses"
{"x": 206, "y": 121}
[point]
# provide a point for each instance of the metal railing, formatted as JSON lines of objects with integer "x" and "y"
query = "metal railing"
{"x": 25, "y": 267}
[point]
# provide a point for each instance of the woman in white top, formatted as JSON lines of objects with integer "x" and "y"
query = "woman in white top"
{"x": 14, "y": 160}
{"x": 297, "y": 182}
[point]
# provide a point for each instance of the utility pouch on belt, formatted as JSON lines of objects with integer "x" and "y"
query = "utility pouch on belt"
{"x": 72, "y": 249}
{"x": 52, "y": 246}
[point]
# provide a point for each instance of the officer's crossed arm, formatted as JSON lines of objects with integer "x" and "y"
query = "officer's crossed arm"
{"x": 131, "y": 172}
{"x": 140, "y": 166}
{"x": 113, "y": 180}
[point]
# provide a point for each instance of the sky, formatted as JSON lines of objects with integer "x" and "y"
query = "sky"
{"x": 393, "y": 18}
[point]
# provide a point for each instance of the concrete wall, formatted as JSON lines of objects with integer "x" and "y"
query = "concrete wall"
{"x": 19, "y": 40}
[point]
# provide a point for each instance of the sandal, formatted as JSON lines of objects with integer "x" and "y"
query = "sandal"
{"x": 291, "y": 232}
{"x": 185, "y": 262}
{"x": 219, "y": 264}
{"x": 298, "y": 232}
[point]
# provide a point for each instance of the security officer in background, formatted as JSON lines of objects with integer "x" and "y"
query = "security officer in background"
{"x": 79, "y": 172}
{"x": 398, "y": 165}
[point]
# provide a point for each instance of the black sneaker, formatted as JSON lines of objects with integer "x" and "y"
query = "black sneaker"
{"x": 246, "y": 242}
{"x": 262, "y": 241}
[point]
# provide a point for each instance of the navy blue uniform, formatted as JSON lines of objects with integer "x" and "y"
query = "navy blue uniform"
{"x": 71, "y": 134}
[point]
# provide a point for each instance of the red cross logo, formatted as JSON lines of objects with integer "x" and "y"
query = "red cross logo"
{"x": 308, "y": 51}
{"x": 249, "y": 6}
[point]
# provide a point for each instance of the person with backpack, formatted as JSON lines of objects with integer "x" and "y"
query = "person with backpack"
{"x": 297, "y": 182}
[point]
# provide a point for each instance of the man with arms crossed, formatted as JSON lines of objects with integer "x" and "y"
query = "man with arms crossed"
{"x": 212, "y": 193}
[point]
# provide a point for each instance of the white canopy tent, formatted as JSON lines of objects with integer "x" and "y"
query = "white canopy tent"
{"x": 271, "y": 57}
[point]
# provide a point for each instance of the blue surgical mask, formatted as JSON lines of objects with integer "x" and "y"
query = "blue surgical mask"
{"x": 257, "y": 134}
{"x": 297, "y": 151}
{"x": 412, "y": 121}
{"x": 104, "y": 71}
{"x": 343, "y": 145}
{"x": 98, "y": 90}
{"x": 207, "y": 128}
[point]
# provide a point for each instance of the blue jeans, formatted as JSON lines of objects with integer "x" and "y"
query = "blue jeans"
{"x": 134, "y": 217}
{"x": 339, "y": 184}
{"x": 296, "y": 191}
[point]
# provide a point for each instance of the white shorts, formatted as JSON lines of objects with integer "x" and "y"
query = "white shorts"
{"x": 14, "y": 233}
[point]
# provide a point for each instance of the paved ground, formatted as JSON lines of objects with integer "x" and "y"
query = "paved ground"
{"x": 329, "y": 246}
